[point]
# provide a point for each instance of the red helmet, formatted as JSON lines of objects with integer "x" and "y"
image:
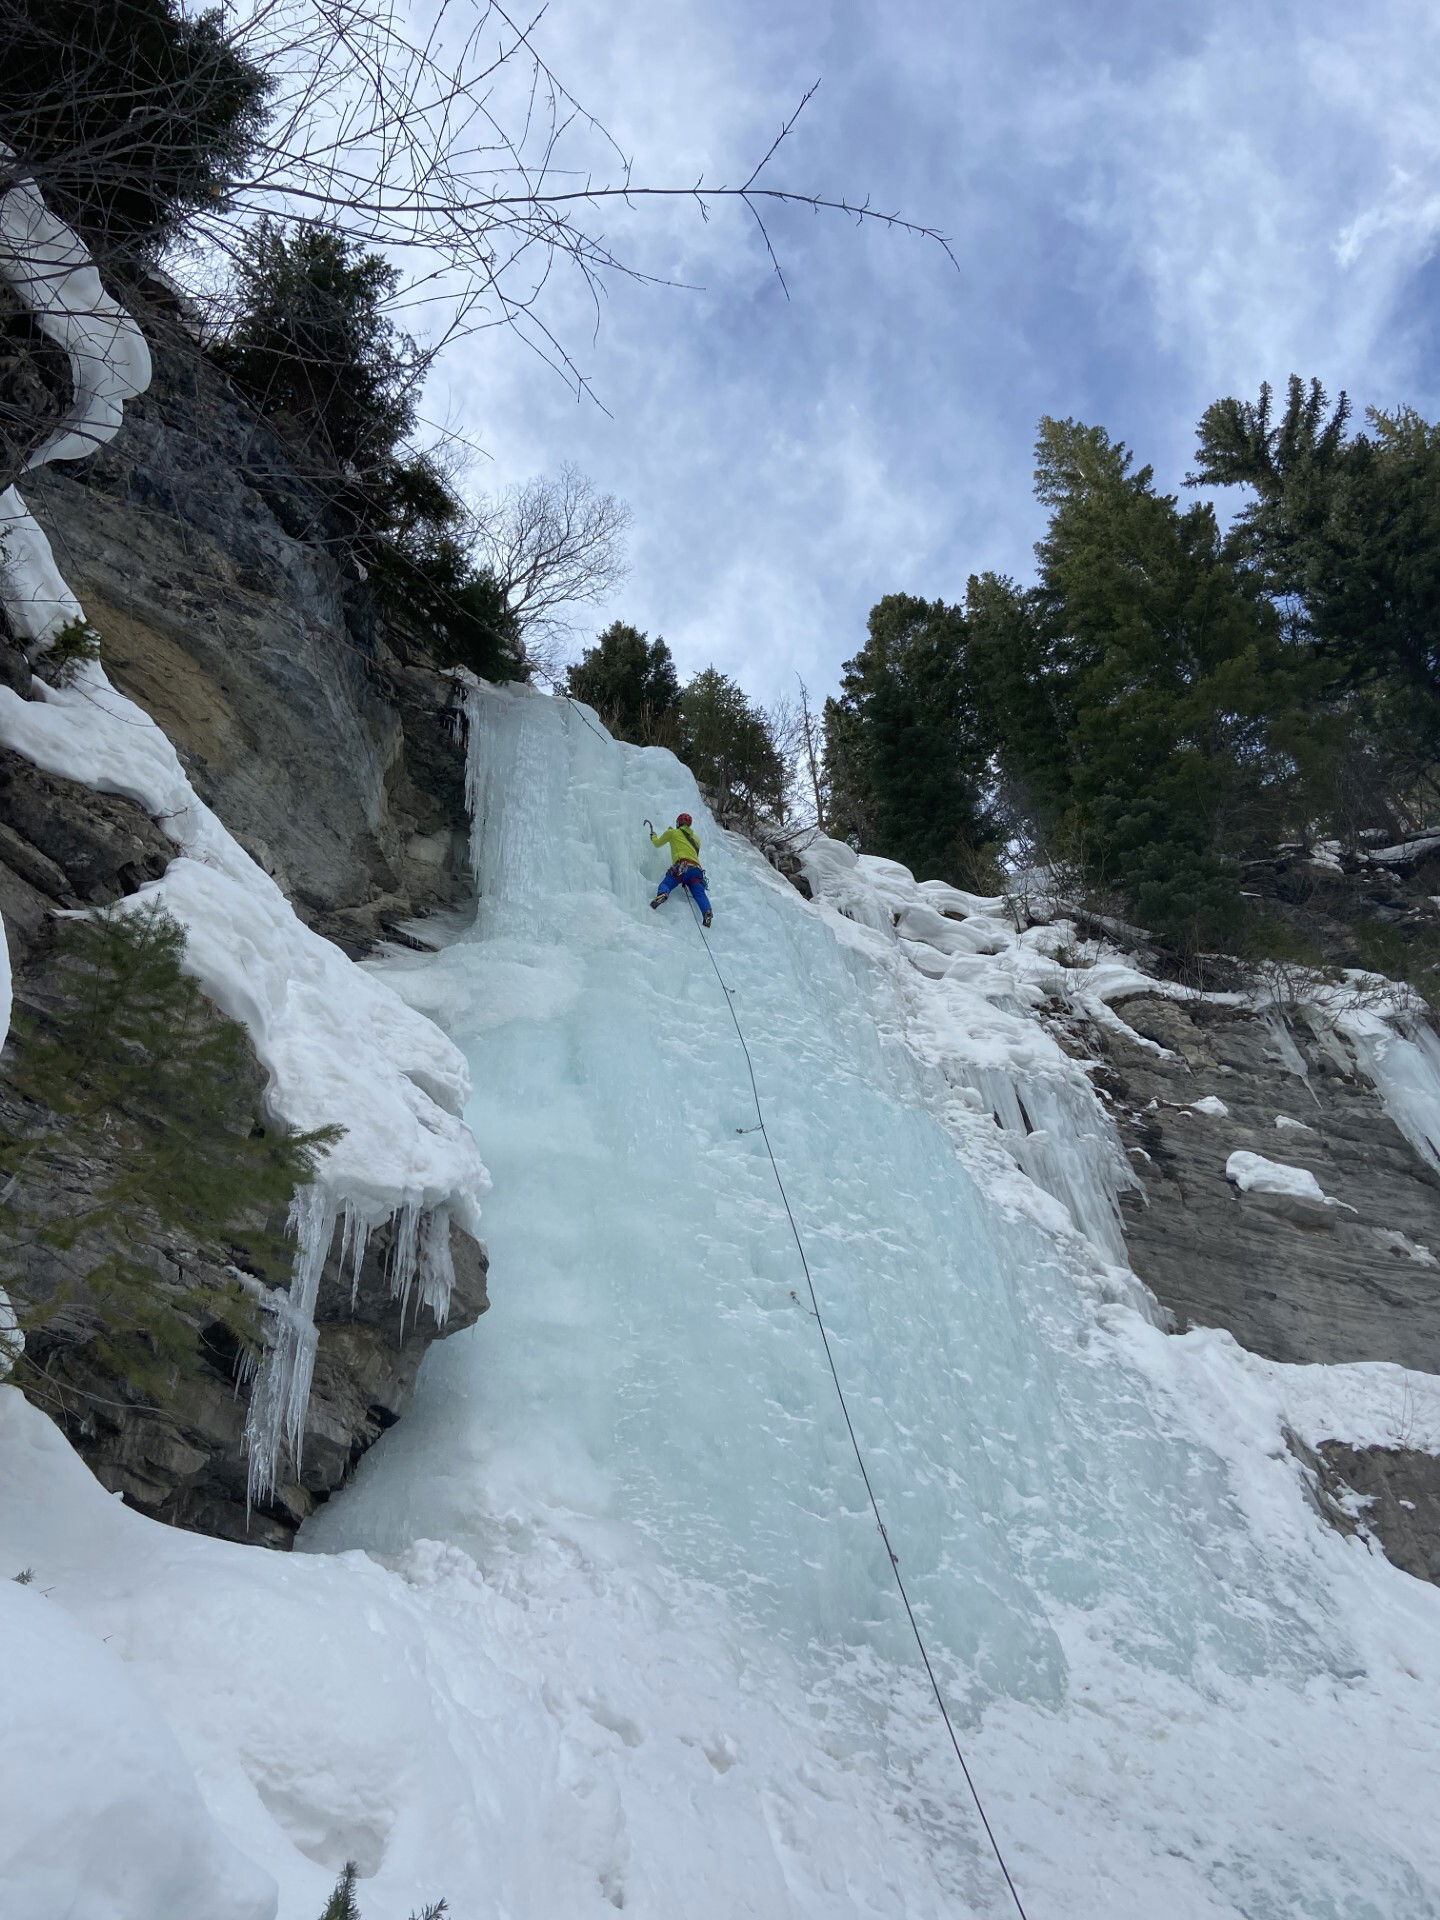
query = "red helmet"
{"x": 683, "y": 820}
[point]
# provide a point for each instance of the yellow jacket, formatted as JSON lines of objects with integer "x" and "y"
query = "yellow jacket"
{"x": 683, "y": 843}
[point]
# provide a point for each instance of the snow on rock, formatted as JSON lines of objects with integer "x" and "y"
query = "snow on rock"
{"x": 340, "y": 1047}
{"x": 973, "y": 983}
{"x": 1253, "y": 1173}
{"x": 49, "y": 268}
{"x": 339, "y": 1044}
{"x": 1399, "y": 1242}
{"x": 1283, "y": 1120}
{"x": 1212, "y": 1106}
{"x": 36, "y": 599}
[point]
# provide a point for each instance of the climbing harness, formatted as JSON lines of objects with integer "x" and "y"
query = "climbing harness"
{"x": 814, "y": 1309}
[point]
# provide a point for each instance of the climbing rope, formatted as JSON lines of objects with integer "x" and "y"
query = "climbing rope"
{"x": 761, "y": 1128}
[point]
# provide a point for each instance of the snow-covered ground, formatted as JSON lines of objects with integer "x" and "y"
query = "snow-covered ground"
{"x": 605, "y": 1622}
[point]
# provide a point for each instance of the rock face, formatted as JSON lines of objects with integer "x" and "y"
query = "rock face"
{"x": 35, "y": 386}
{"x": 1352, "y": 1277}
{"x": 1293, "y": 1279}
{"x": 199, "y": 554}
{"x": 1394, "y": 1494}
{"x": 187, "y": 1464}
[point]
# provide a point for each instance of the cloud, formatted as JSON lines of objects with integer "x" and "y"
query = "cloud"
{"x": 1148, "y": 208}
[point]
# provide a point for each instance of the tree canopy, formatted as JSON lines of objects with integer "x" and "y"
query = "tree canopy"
{"x": 1167, "y": 699}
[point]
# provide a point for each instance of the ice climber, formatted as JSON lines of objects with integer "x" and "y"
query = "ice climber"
{"x": 683, "y": 843}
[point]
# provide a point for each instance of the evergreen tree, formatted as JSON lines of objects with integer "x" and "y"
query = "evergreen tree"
{"x": 1172, "y": 671}
{"x": 1023, "y": 701}
{"x": 313, "y": 344}
{"x": 133, "y": 1078}
{"x": 728, "y": 746}
{"x": 630, "y": 681}
{"x": 131, "y": 116}
{"x": 1344, "y": 532}
{"x": 342, "y": 1904}
{"x": 904, "y": 750}
{"x": 315, "y": 349}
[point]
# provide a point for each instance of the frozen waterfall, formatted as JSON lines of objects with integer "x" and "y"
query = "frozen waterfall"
{"x": 641, "y": 1444}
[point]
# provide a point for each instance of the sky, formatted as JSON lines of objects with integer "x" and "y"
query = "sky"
{"x": 1149, "y": 205}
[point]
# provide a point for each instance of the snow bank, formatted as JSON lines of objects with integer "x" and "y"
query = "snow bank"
{"x": 103, "y": 1816}
{"x": 37, "y": 601}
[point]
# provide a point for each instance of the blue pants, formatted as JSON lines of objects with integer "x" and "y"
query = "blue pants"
{"x": 693, "y": 878}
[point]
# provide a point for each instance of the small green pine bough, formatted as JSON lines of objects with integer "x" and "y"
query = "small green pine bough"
{"x": 131, "y": 1120}
{"x": 342, "y": 1905}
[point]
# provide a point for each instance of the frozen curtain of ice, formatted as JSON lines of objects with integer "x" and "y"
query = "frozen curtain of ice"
{"x": 604, "y": 1624}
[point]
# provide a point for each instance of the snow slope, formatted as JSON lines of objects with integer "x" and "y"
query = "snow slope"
{"x": 605, "y": 1623}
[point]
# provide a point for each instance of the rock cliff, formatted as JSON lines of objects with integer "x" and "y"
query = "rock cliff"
{"x": 334, "y": 755}
{"x": 1354, "y": 1276}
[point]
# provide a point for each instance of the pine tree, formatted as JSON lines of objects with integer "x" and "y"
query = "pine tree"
{"x": 342, "y": 1904}
{"x": 1344, "y": 532}
{"x": 131, "y": 116}
{"x": 905, "y": 753}
{"x": 630, "y": 681}
{"x": 1169, "y": 657}
{"x": 134, "y": 1088}
{"x": 727, "y": 743}
{"x": 1022, "y": 696}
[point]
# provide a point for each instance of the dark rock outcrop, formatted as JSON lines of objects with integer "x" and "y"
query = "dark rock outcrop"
{"x": 1392, "y": 1495}
{"x": 203, "y": 559}
{"x": 64, "y": 845}
{"x": 35, "y": 386}
{"x": 1293, "y": 1280}
{"x": 186, "y": 1464}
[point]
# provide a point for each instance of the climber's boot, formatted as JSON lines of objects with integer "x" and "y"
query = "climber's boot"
{"x": 708, "y": 918}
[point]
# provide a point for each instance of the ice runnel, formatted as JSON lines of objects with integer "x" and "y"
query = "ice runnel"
{"x": 1058, "y": 1134}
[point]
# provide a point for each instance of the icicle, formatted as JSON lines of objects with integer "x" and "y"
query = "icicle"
{"x": 1402, "y": 1062}
{"x": 1061, "y": 1136}
{"x": 437, "y": 1268}
{"x": 282, "y": 1392}
{"x": 354, "y": 1239}
{"x": 404, "y": 1254}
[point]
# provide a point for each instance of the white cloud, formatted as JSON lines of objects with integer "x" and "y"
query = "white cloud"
{"x": 1148, "y": 210}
